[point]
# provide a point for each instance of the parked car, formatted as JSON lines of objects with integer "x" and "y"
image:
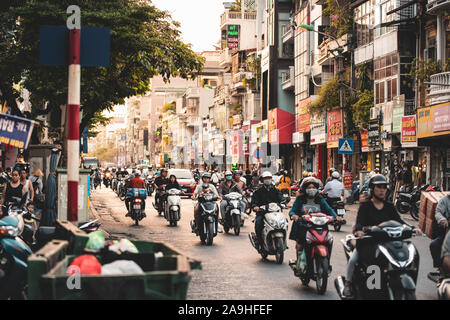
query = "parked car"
{"x": 186, "y": 180}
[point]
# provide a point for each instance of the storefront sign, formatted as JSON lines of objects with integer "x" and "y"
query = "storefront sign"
{"x": 364, "y": 141}
{"x": 348, "y": 180}
{"x": 441, "y": 118}
{"x": 318, "y": 130}
{"x": 298, "y": 137}
{"x": 304, "y": 118}
{"x": 374, "y": 136}
{"x": 233, "y": 36}
{"x": 387, "y": 116}
{"x": 15, "y": 131}
{"x": 397, "y": 114}
{"x": 409, "y": 134}
{"x": 334, "y": 128}
{"x": 424, "y": 122}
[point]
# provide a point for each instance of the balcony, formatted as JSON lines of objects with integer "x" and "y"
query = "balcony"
{"x": 439, "y": 91}
{"x": 436, "y": 6}
{"x": 287, "y": 79}
{"x": 192, "y": 93}
{"x": 288, "y": 34}
{"x": 328, "y": 47}
{"x": 231, "y": 17}
{"x": 225, "y": 58}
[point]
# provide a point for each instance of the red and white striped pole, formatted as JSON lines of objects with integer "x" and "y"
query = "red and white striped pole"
{"x": 73, "y": 122}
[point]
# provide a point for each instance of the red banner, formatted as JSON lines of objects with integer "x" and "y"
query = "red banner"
{"x": 364, "y": 141}
{"x": 334, "y": 128}
{"x": 409, "y": 131}
{"x": 348, "y": 180}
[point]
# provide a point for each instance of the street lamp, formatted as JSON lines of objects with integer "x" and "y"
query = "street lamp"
{"x": 311, "y": 28}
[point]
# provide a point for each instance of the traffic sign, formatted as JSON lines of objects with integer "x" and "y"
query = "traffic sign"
{"x": 345, "y": 146}
{"x": 258, "y": 154}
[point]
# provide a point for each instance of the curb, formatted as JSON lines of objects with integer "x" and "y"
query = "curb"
{"x": 106, "y": 234}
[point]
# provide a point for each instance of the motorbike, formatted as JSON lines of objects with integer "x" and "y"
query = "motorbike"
{"x": 286, "y": 196}
{"x": 137, "y": 204}
{"x": 249, "y": 197}
{"x": 150, "y": 188}
{"x": 209, "y": 212}
{"x": 172, "y": 206}
{"x": 89, "y": 226}
{"x": 319, "y": 242}
{"x": 274, "y": 232}
{"x": 14, "y": 253}
{"x": 233, "y": 215}
{"x": 410, "y": 201}
{"x": 294, "y": 188}
{"x": 158, "y": 204}
{"x": 338, "y": 206}
{"x": 107, "y": 179}
{"x": 97, "y": 182}
{"x": 121, "y": 190}
{"x": 396, "y": 260}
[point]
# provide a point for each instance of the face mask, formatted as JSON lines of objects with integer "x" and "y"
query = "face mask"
{"x": 268, "y": 182}
{"x": 228, "y": 178}
{"x": 311, "y": 193}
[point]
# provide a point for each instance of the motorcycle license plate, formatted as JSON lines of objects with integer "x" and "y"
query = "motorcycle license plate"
{"x": 341, "y": 212}
{"x": 137, "y": 207}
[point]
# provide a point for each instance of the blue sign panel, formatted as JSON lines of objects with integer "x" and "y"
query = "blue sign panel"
{"x": 15, "y": 131}
{"x": 54, "y": 46}
{"x": 345, "y": 146}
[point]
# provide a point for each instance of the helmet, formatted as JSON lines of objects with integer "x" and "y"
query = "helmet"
{"x": 305, "y": 174}
{"x": 228, "y": 173}
{"x": 206, "y": 175}
{"x": 164, "y": 170}
{"x": 137, "y": 173}
{"x": 377, "y": 179}
{"x": 314, "y": 174}
{"x": 285, "y": 172}
{"x": 266, "y": 174}
{"x": 307, "y": 181}
{"x": 332, "y": 170}
{"x": 335, "y": 175}
{"x": 237, "y": 172}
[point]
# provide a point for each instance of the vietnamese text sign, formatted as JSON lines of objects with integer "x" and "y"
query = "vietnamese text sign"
{"x": 233, "y": 36}
{"x": 15, "y": 131}
{"x": 318, "y": 130}
{"x": 348, "y": 180}
{"x": 304, "y": 117}
{"x": 424, "y": 122}
{"x": 397, "y": 114}
{"x": 364, "y": 141}
{"x": 334, "y": 128}
{"x": 374, "y": 136}
{"x": 409, "y": 134}
{"x": 441, "y": 118}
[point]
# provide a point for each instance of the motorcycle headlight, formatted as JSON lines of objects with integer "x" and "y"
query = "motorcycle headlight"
{"x": 11, "y": 231}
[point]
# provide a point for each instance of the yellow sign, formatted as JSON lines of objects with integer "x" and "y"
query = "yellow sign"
{"x": 425, "y": 121}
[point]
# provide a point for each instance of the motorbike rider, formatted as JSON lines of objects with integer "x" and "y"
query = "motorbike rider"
{"x": 309, "y": 201}
{"x": 160, "y": 181}
{"x": 334, "y": 189}
{"x": 442, "y": 217}
{"x": 202, "y": 188}
{"x": 225, "y": 188}
{"x": 284, "y": 182}
{"x": 237, "y": 178}
{"x": 137, "y": 183}
{"x": 215, "y": 178}
{"x": 371, "y": 213}
{"x": 265, "y": 195}
{"x": 330, "y": 176}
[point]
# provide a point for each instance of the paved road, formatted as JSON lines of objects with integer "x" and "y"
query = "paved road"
{"x": 232, "y": 269}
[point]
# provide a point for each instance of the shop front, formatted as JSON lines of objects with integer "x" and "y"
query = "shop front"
{"x": 318, "y": 141}
{"x": 334, "y": 132}
{"x": 281, "y": 127}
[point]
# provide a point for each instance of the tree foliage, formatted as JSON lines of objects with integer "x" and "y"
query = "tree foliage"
{"x": 361, "y": 108}
{"x": 340, "y": 15}
{"x": 328, "y": 97}
{"x": 145, "y": 42}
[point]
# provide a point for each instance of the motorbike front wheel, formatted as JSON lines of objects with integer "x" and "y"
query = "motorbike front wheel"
{"x": 237, "y": 224}
{"x": 337, "y": 227}
{"x": 279, "y": 245}
{"x": 322, "y": 274}
{"x": 210, "y": 235}
{"x": 414, "y": 212}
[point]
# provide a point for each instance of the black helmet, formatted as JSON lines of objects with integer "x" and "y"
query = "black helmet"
{"x": 377, "y": 180}
{"x": 307, "y": 181}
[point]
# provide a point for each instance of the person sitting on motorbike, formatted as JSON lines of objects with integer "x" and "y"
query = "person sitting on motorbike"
{"x": 225, "y": 188}
{"x": 137, "y": 183}
{"x": 334, "y": 189}
{"x": 237, "y": 178}
{"x": 202, "y": 188}
{"x": 442, "y": 217}
{"x": 263, "y": 196}
{"x": 371, "y": 213}
{"x": 309, "y": 201}
{"x": 330, "y": 176}
{"x": 159, "y": 182}
{"x": 12, "y": 189}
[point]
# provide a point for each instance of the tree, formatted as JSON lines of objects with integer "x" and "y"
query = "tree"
{"x": 145, "y": 42}
{"x": 361, "y": 108}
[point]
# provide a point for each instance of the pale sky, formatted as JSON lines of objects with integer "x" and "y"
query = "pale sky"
{"x": 199, "y": 19}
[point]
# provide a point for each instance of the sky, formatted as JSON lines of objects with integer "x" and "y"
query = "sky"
{"x": 200, "y": 20}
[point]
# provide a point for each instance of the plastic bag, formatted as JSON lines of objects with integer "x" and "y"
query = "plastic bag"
{"x": 85, "y": 264}
{"x": 96, "y": 241}
{"x": 121, "y": 267}
{"x": 124, "y": 245}
{"x": 301, "y": 262}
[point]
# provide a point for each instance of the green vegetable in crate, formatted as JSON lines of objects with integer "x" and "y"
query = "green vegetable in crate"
{"x": 96, "y": 241}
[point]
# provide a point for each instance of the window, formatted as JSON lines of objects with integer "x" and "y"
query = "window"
{"x": 363, "y": 23}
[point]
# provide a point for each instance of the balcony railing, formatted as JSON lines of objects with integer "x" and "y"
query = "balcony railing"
{"x": 288, "y": 33}
{"x": 440, "y": 88}
{"x": 225, "y": 57}
{"x": 287, "y": 79}
{"x": 231, "y": 15}
{"x": 434, "y": 6}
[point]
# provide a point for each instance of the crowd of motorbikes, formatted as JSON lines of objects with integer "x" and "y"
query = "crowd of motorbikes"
{"x": 397, "y": 258}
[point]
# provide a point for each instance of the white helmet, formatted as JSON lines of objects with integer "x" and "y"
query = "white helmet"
{"x": 228, "y": 173}
{"x": 335, "y": 175}
{"x": 266, "y": 174}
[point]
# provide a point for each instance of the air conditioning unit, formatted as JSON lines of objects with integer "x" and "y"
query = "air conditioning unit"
{"x": 374, "y": 113}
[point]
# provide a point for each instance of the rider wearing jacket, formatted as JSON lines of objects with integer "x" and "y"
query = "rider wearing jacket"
{"x": 371, "y": 213}
{"x": 225, "y": 188}
{"x": 137, "y": 183}
{"x": 309, "y": 201}
{"x": 266, "y": 194}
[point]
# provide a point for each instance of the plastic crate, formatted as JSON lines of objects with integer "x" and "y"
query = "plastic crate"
{"x": 136, "y": 193}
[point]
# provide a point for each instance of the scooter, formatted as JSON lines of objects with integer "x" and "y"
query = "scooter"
{"x": 172, "y": 206}
{"x": 339, "y": 208}
{"x": 137, "y": 204}
{"x": 410, "y": 201}
{"x": 158, "y": 204}
{"x": 396, "y": 262}
{"x": 14, "y": 253}
{"x": 286, "y": 196}
{"x": 233, "y": 215}
{"x": 319, "y": 242}
{"x": 150, "y": 187}
{"x": 209, "y": 212}
{"x": 274, "y": 232}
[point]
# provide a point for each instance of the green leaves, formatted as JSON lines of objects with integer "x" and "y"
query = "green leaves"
{"x": 361, "y": 108}
{"x": 328, "y": 97}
